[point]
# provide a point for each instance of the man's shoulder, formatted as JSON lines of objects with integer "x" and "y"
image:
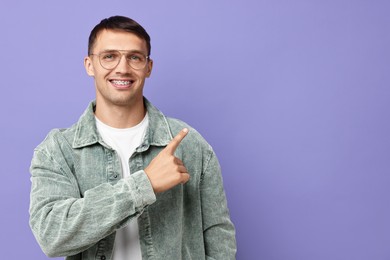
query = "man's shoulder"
{"x": 58, "y": 137}
{"x": 82, "y": 129}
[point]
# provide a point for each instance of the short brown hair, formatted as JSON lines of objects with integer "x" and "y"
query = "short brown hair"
{"x": 120, "y": 23}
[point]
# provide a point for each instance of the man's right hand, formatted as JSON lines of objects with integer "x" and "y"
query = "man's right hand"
{"x": 166, "y": 171}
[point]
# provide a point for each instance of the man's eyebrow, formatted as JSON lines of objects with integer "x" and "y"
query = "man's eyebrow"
{"x": 129, "y": 51}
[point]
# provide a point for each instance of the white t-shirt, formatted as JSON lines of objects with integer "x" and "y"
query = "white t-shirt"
{"x": 124, "y": 142}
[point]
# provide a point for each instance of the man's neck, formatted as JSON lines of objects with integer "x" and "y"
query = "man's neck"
{"x": 120, "y": 116}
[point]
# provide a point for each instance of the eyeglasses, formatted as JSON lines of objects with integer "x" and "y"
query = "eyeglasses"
{"x": 110, "y": 59}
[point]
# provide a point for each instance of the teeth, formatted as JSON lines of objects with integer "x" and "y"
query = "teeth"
{"x": 121, "y": 82}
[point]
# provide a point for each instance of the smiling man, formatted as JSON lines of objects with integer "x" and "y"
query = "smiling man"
{"x": 127, "y": 182}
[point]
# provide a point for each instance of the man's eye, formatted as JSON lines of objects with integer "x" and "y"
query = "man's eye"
{"x": 135, "y": 57}
{"x": 108, "y": 56}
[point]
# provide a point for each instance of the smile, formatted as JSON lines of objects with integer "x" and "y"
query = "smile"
{"x": 121, "y": 83}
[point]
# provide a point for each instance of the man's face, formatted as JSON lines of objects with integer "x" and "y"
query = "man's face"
{"x": 122, "y": 85}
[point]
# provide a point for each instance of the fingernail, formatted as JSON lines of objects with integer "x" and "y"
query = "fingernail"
{"x": 185, "y": 130}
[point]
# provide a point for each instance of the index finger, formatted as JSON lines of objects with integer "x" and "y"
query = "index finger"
{"x": 171, "y": 147}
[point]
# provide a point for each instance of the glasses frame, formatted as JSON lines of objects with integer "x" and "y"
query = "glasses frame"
{"x": 122, "y": 53}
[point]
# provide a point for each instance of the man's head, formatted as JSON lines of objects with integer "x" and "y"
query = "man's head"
{"x": 118, "y": 60}
{"x": 119, "y": 23}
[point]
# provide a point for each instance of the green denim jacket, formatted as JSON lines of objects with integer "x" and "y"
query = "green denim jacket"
{"x": 78, "y": 198}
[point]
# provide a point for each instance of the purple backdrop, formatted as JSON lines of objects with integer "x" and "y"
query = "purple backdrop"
{"x": 293, "y": 96}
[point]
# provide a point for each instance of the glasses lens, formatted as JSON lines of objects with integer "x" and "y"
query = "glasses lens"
{"x": 137, "y": 60}
{"x": 109, "y": 59}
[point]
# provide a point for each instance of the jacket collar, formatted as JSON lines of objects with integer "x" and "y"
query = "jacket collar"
{"x": 158, "y": 132}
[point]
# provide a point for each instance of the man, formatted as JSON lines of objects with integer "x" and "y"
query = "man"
{"x": 126, "y": 182}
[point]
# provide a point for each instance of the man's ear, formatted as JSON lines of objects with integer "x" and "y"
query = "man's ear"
{"x": 149, "y": 68}
{"x": 89, "y": 66}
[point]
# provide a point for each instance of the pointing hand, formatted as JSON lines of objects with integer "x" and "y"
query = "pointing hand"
{"x": 166, "y": 171}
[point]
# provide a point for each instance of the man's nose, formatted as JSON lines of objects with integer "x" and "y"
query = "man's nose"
{"x": 123, "y": 65}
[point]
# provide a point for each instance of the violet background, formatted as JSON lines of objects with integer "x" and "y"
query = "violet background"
{"x": 292, "y": 95}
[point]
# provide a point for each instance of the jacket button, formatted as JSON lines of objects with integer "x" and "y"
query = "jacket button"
{"x": 103, "y": 257}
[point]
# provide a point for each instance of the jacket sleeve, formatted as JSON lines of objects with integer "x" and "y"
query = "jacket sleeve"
{"x": 218, "y": 230}
{"x": 63, "y": 222}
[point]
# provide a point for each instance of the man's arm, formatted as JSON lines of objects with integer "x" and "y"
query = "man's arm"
{"x": 66, "y": 224}
{"x": 218, "y": 230}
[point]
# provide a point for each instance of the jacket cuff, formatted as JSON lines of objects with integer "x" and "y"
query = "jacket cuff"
{"x": 144, "y": 194}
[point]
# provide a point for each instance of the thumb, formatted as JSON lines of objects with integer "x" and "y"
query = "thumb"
{"x": 171, "y": 147}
